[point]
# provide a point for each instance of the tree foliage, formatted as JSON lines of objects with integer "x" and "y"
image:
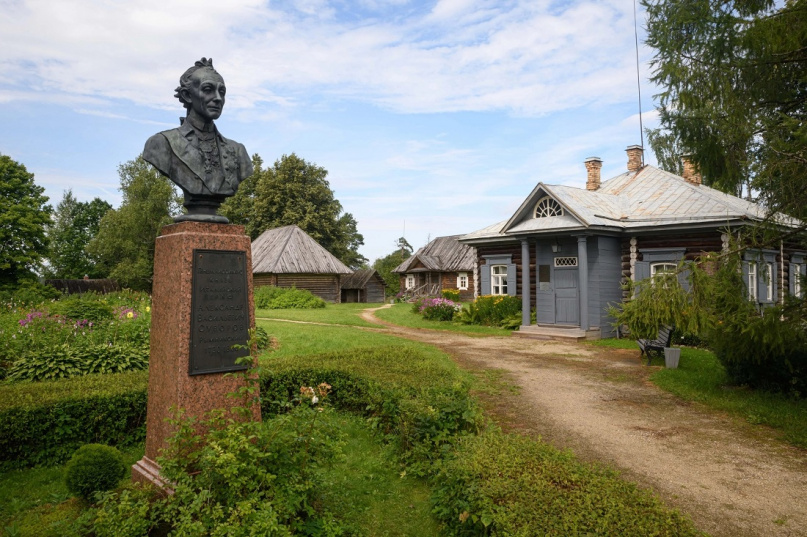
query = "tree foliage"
{"x": 734, "y": 79}
{"x": 23, "y": 217}
{"x": 385, "y": 265}
{"x": 296, "y": 192}
{"x": 75, "y": 223}
{"x": 126, "y": 237}
{"x": 238, "y": 209}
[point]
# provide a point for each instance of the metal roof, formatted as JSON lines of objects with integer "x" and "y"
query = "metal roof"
{"x": 443, "y": 254}
{"x": 289, "y": 250}
{"x": 647, "y": 198}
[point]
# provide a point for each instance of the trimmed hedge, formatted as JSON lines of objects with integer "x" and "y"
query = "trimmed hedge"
{"x": 43, "y": 423}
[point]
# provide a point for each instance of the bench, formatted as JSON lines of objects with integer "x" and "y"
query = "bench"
{"x": 656, "y": 346}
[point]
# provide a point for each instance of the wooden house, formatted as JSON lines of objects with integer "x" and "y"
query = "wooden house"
{"x": 566, "y": 250}
{"x": 287, "y": 256}
{"x": 444, "y": 263}
{"x": 365, "y": 285}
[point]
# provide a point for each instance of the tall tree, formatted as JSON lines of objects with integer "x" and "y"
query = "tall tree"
{"x": 24, "y": 213}
{"x": 734, "y": 79}
{"x": 385, "y": 265}
{"x": 125, "y": 240}
{"x": 239, "y": 208}
{"x": 295, "y": 192}
{"x": 75, "y": 223}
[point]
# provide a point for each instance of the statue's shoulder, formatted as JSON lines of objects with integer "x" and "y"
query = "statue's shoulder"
{"x": 158, "y": 151}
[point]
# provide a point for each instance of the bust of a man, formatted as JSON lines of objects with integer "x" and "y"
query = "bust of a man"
{"x": 204, "y": 164}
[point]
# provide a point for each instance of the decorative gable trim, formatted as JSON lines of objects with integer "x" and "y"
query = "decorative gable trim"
{"x": 527, "y": 209}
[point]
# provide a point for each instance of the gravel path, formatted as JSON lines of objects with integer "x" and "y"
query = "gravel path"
{"x": 732, "y": 478}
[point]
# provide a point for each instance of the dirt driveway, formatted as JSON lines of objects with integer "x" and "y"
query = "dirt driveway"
{"x": 732, "y": 478}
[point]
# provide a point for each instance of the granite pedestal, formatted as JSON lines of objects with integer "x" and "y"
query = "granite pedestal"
{"x": 188, "y": 344}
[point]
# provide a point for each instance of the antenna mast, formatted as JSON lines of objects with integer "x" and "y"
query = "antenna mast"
{"x": 638, "y": 80}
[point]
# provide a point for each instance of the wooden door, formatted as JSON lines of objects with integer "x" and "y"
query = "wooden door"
{"x": 567, "y": 302}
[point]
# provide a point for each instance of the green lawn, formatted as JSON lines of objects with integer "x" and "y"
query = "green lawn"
{"x": 331, "y": 314}
{"x": 700, "y": 377}
{"x": 368, "y": 491}
{"x": 365, "y": 488}
{"x": 35, "y": 501}
{"x": 295, "y": 339}
{"x": 402, "y": 315}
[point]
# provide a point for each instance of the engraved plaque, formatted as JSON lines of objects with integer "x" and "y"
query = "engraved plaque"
{"x": 220, "y": 311}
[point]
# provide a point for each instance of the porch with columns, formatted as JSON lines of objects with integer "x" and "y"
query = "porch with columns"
{"x": 554, "y": 330}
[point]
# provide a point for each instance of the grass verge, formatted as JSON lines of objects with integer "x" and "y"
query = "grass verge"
{"x": 294, "y": 339}
{"x": 347, "y": 314}
{"x": 700, "y": 377}
{"x": 402, "y": 315}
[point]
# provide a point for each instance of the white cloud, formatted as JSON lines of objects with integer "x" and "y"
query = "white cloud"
{"x": 526, "y": 57}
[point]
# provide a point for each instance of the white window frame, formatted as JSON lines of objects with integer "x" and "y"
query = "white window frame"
{"x": 768, "y": 275}
{"x": 462, "y": 281}
{"x": 796, "y": 275}
{"x": 662, "y": 269}
{"x": 410, "y": 281}
{"x": 752, "y": 281}
{"x": 498, "y": 280}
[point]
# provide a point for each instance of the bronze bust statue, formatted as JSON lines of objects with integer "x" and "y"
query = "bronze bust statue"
{"x": 204, "y": 164}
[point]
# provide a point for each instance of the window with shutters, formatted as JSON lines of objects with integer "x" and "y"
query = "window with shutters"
{"x": 498, "y": 280}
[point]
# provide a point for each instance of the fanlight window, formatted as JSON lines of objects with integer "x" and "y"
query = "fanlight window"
{"x": 546, "y": 206}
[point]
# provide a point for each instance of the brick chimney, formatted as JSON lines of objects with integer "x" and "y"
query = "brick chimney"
{"x": 593, "y": 166}
{"x": 691, "y": 174}
{"x": 635, "y": 158}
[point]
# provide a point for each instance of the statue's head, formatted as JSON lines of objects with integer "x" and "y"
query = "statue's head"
{"x": 201, "y": 90}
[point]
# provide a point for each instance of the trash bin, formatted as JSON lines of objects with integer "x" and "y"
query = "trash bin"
{"x": 671, "y": 357}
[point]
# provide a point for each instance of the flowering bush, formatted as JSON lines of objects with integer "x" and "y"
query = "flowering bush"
{"x": 75, "y": 336}
{"x": 451, "y": 294}
{"x": 492, "y": 310}
{"x": 438, "y": 309}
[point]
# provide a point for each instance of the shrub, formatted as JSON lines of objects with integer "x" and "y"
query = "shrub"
{"x": 68, "y": 361}
{"x": 34, "y": 336}
{"x": 89, "y": 306}
{"x": 262, "y": 339}
{"x": 498, "y": 484}
{"x": 451, "y": 294}
{"x": 438, "y": 309}
{"x": 490, "y": 310}
{"x": 271, "y": 297}
{"x": 45, "y": 422}
{"x": 419, "y": 403}
{"x": 242, "y": 478}
{"x": 28, "y": 293}
{"x": 94, "y": 468}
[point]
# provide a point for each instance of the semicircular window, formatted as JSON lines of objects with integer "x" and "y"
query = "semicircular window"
{"x": 546, "y": 206}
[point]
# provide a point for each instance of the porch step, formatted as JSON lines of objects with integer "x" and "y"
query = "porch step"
{"x": 557, "y": 332}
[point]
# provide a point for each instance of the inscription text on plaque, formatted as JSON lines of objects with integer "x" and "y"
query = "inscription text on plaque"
{"x": 220, "y": 306}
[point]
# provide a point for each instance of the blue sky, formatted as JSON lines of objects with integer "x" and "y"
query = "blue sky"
{"x": 434, "y": 117}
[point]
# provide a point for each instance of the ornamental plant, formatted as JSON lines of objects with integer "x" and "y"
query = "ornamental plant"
{"x": 242, "y": 478}
{"x": 57, "y": 340}
{"x": 94, "y": 468}
{"x": 492, "y": 310}
{"x": 438, "y": 309}
{"x": 451, "y": 294}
